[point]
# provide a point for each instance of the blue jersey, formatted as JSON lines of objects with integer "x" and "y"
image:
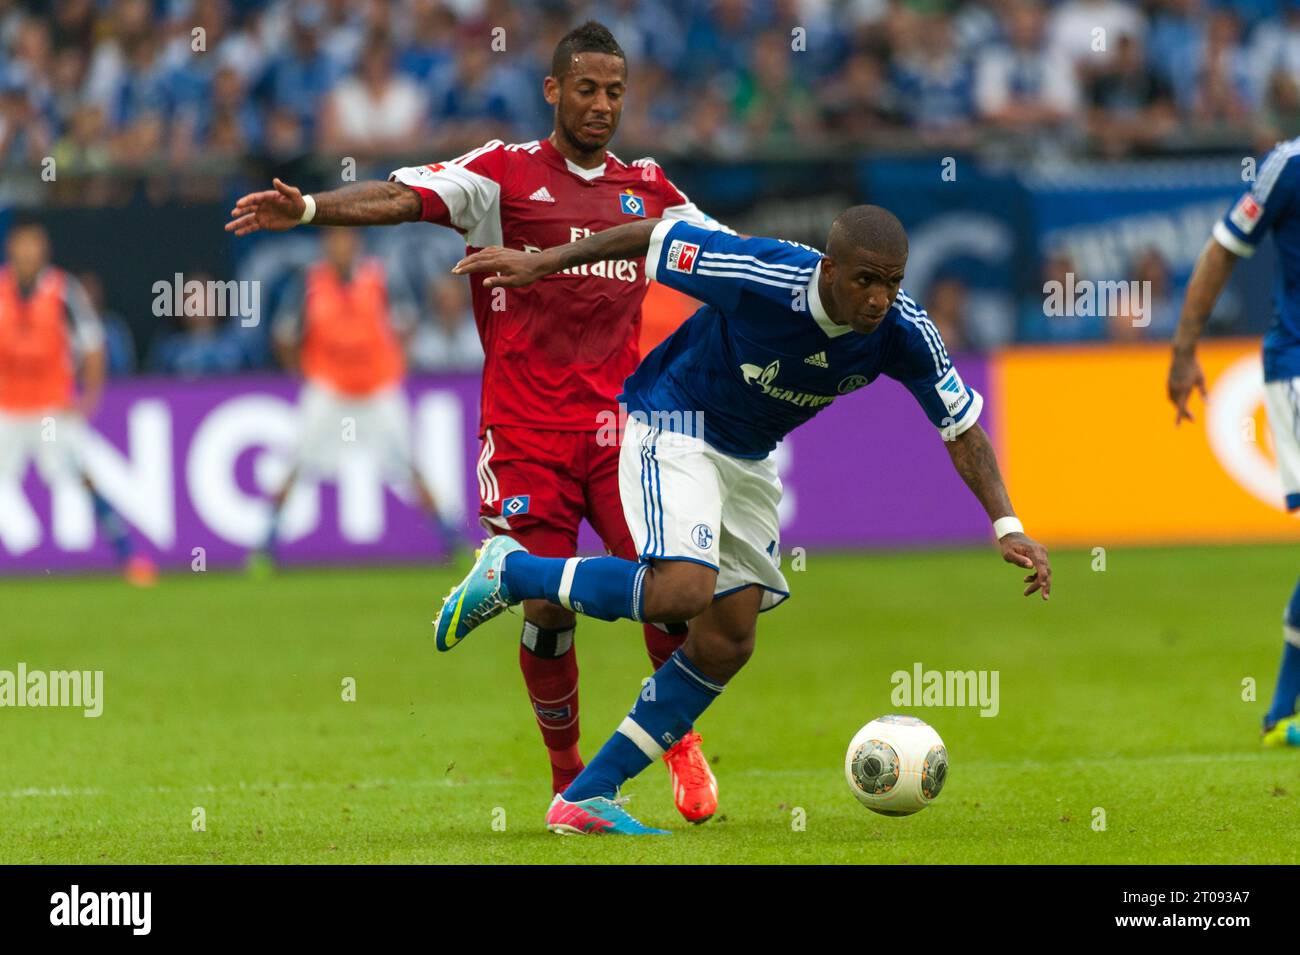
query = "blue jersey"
{"x": 1270, "y": 205}
{"x": 762, "y": 356}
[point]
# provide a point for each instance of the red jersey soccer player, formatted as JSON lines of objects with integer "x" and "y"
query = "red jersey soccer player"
{"x": 556, "y": 353}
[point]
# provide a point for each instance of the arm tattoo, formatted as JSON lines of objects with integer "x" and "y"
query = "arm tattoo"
{"x": 972, "y": 455}
{"x": 620, "y": 242}
{"x": 367, "y": 203}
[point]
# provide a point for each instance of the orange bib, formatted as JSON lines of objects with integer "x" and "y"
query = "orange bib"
{"x": 348, "y": 341}
{"x": 36, "y": 365}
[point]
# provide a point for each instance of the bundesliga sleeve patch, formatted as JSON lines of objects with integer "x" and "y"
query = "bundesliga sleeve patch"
{"x": 953, "y": 392}
{"x": 681, "y": 256}
{"x": 1245, "y": 214}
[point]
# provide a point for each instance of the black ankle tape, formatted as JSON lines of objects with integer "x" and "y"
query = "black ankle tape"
{"x": 541, "y": 642}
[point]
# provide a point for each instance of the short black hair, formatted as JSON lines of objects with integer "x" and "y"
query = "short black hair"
{"x": 590, "y": 37}
{"x": 867, "y": 227}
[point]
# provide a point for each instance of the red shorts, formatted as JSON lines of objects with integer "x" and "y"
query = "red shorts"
{"x": 537, "y": 486}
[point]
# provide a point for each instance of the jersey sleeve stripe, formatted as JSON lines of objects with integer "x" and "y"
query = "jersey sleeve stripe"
{"x": 754, "y": 270}
{"x": 1272, "y": 168}
{"x": 761, "y": 263}
{"x": 939, "y": 365}
{"x": 922, "y": 319}
{"x": 931, "y": 336}
{"x": 748, "y": 276}
{"x": 473, "y": 154}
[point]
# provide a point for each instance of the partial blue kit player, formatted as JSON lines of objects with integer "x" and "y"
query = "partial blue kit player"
{"x": 1270, "y": 207}
{"x": 762, "y": 356}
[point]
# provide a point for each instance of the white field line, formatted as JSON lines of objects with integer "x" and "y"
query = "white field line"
{"x": 1027, "y": 765}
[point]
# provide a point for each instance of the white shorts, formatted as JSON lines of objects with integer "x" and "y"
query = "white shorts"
{"x": 1282, "y": 398}
{"x": 54, "y": 439}
{"x": 334, "y": 424}
{"x": 685, "y": 500}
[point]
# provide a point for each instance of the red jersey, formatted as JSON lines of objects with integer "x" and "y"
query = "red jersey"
{"x": 558, "y": 351}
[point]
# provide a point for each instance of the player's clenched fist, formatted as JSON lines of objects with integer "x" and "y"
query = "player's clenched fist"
{"x": 512, "y": 268}
{"x": 274, "y": 210}
{"x": 1028, "y": 553}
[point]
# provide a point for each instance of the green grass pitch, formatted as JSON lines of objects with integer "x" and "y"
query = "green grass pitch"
{"x": 1123, "y": 693}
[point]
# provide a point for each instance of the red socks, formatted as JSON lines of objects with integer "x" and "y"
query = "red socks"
{"x": 550, "y": 666}
{"x": 661, "y": 644}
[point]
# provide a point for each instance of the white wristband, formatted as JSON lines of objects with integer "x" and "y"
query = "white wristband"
{"x": 309, "y": 212}
{"x": 1007, "y": 525}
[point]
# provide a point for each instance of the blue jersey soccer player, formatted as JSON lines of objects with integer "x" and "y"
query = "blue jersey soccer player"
{"x": 784, "y": 331}
{"x": 1268, "y": 206}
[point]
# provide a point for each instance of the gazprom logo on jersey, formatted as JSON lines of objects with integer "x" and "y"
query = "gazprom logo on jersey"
{"x": 953, "y": 391}
{"x": 513, "y": 506}
{"x": 764, "y": 378}
{"x": 631, "y": 204}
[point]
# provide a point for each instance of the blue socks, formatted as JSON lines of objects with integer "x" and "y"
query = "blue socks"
{"x": 114, "y": 528}
{"x": 1288, "y": 677}
{"x": 607, "y": 588}
{"x": 272, "y": 533}
{"x": 670, "y": 703}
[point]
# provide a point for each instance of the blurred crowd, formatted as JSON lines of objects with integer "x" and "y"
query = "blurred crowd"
{"x": 101, "y": 84}
{"x": 167, "y": 88}
{"x": 427, "y": 307}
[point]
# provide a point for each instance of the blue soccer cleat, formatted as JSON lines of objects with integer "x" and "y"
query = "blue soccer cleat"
{"x": 597, "y": 816}
{"x": 479, "y": 597}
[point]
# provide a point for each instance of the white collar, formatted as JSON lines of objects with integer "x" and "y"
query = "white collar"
{"x": 818, "y": 310}
{"x": 587, "y": 174}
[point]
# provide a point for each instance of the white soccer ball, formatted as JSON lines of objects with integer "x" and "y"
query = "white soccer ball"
{"x": 896, "y": 765}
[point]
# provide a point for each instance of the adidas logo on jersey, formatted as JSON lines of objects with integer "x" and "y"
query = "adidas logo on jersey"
{"x": 818, "y": 359}
{"x": 541, "y": 195}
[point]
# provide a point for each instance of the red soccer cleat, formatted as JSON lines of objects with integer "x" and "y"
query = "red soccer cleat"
{"x": 695, "y": 790}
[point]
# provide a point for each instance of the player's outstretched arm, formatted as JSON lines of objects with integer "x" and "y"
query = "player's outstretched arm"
{"x": 513, "y": 268}
{"x": 1213, "y": 269}
{"x": 973, "y": 456}
{"x": 363, "y": 203}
